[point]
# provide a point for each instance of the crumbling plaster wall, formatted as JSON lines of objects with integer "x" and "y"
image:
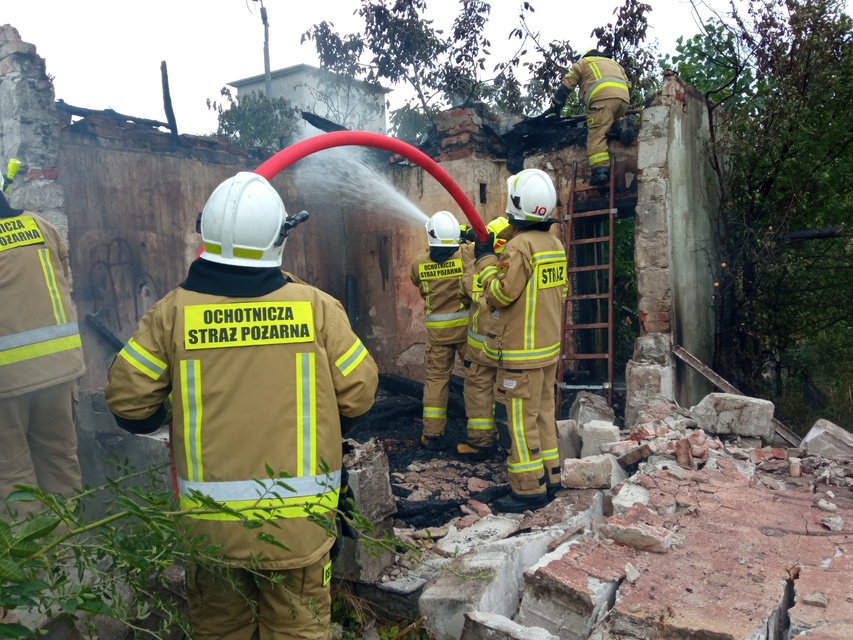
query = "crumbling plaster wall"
{"x": 674, "y": 252}
{"x": 30, "y": 129}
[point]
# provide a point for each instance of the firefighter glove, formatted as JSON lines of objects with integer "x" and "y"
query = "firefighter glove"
{"x": 468, "y": 234}
{"x": 484, "y": 247}
{"x": 553, "y": 111}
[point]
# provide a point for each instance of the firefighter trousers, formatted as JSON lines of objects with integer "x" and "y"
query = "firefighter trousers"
{"x": 600, "y": 117}
{"x": 440, "y": 359}
{"x": 236, "y": 604}
{"x": 479, "y": 394}
{"x": 39, "y": 443}
{"x": 527, "y": 427}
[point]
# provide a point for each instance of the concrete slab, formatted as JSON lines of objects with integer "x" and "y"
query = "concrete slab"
{"x": 489, "y": 529}
{"x": 569, "y": 590}
{"x": 489, "y": 626}
{"x": 486, "y": 579}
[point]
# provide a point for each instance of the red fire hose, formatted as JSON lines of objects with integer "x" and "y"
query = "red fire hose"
{"x": 294, "y": 152}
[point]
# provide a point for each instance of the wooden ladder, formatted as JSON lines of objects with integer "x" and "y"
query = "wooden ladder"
{"x": 587, "y": 333}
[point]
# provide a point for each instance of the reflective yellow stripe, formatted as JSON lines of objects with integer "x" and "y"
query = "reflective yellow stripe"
{"x": 524, "y": 467}
{"x": 487, "y": 271}
{"x": 596, "y": 72}
{"x": 434, "y": 412}
{"x": 268, "y": 508}
{"x": 548, "y": 256}
{"x": 603, "y": 84}
{"x": 516, "y": 418}
{"x": 550, "y": 454}
{"x": 44, "y": 348}
{"x": 143, "y": 360}
{"x": 530, "y": 311}
{"x": 443, "y": 324}
{"x": 476, "y": 340}
{"x": 250, "y": 254}
{"x": 522, "y": 354}
{"x": 306, "y": 415}
{"x": 351, "y": 359}
{"x": 191, "y": 404}
{"x": 256, "y": 488}
{"x": 599, "y": 158}
{"x": 480, "y": 424}
{"x": 495, "y": 290}
{"x": 52, "y": 289}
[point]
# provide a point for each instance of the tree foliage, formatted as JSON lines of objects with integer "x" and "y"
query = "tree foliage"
{"x": 110, "y": 551}
{"x": 779, "y": 78}
{"x": 254, "y": 120}
{"x": 399, "y": 46}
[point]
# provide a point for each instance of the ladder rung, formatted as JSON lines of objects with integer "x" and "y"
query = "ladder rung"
{"x": 589, "y": 296}
{"x": 603, "y": 385}
{"x": 586, "y": 356}
{"x": 590, "y": 240}
{"x": 598, "y": 187}
{"x": 592, "y": 213}
{"x": 591, "y": 267}
{"x": 592, "y": 325}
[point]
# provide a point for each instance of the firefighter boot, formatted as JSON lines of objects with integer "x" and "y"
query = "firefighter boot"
{"x": 474, "y": 452}
{"x": 518, "y": 504}
{"x": 431, "y": 444}
{"x": 599, "y": 175}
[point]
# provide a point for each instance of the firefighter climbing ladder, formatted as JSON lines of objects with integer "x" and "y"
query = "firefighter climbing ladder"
{"x": 586, "y": 350}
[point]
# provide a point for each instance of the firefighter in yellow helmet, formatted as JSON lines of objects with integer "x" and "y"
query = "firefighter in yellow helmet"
{"x": 437, "y": 273}
{"x": 480, "y": 370}
{"x": 40, "y": 358}
{"x": 265, "y": 373}
{"x": 524, "y": 289}
{"x": 603, "y": 88}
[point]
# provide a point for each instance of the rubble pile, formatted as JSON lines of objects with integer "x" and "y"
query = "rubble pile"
{"x": 693, "y": 523}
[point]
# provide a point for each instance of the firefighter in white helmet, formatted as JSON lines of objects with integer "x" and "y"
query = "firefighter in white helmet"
{"x": 265, "y": 373}
{"x": 437, "y": 272}
{"x": 480, "y": 370}
{"x": 524, "y": 289}
{"x": 40, "y": 358}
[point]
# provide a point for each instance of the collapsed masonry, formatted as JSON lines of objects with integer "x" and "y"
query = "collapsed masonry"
{"x": 683, "y": 526}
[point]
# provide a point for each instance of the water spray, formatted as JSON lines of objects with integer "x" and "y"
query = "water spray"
{"x": 294, "y": 152}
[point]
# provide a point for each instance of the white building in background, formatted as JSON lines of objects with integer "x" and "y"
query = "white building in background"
{"x": 353, "y": 104}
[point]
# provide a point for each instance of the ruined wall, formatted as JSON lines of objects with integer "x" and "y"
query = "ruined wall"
{"x": 29, "y": 129}
{"x": 674, "y": 248}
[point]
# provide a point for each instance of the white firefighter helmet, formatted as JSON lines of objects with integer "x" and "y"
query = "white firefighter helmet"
{"x": 531, "y": 196}
{"x": 443, "y": 230}
{"x": 242, "y": 223}
{"x": 496, "y": 226}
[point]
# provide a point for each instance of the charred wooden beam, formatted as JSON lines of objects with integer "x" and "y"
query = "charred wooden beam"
{"x": 726, "y": 387}
{"x": 167, "y": 100}
{"x": 107, "y": 113}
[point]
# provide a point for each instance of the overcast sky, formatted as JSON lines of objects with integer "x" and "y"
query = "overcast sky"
{"x": 107, "y": 54}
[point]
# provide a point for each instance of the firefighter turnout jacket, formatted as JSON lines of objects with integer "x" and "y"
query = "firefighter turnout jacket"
{"x": 597, "y": 78}
{"x": 39, "y": 337}
{"x": 439, "y": 284}
{"x": 524, "y": 289}
{"x": 259, "y": 386}
{"x": 480, "y": 320}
